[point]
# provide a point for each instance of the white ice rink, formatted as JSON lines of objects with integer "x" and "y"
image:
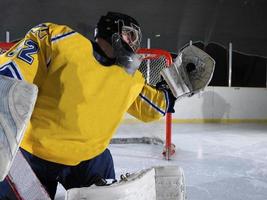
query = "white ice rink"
{"x": 220, "y": 161}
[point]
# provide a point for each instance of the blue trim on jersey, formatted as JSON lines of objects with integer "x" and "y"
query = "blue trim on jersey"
{"x": 167, "y": 99}
{"x": 151, "y": 103}
{"x": 26, "y": 53}
{"x": 10, "y": 70}
{"x": 62, "y": 36}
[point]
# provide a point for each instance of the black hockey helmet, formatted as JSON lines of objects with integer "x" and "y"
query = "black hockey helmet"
{"x": 126, "y": 26}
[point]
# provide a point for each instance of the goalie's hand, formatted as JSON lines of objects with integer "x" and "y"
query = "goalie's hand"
{"x": 125, "y": 57}
{"x": 190, "y": 73}
{"x": 171, "y": 98}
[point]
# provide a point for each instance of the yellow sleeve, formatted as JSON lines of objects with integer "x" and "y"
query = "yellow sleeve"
{"x": 29, "y": 59}
{"x": 150, "y": 105}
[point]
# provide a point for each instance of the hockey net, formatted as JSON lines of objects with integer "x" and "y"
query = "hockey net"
{"x": 153, "y": 61}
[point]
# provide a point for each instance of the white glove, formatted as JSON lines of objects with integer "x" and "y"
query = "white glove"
{"x": 190, "y": 73}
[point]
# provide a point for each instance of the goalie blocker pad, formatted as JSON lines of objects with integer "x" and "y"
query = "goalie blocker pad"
{"x": 190, "y": 73}
{"x": 16, "y": 106}
{"x": 156, "y": 183}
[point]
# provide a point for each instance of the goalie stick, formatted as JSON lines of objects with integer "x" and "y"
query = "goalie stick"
{"x": 24, "y": 183}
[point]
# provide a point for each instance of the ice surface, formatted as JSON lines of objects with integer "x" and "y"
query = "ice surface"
{"x": 220, "y": 161}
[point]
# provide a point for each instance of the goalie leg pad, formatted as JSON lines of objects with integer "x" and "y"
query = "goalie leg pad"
{"x": 170, "y": 183}
{"x": 16, "y": 106}
{"x": 156, "y": 183}
{"x": 138, "y": 186}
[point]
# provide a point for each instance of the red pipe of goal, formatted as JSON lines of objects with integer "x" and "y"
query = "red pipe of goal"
{"x": 154, "y": 54}
{"x": 168, "y": 136}
{"x": 169, "y": 150}
{"x": 6, "y": 45}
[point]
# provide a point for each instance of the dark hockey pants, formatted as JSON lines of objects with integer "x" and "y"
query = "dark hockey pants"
{"x": 82, "y": 175}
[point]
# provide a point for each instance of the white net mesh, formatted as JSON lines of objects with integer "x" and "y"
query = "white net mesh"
{"x": 150, "y": 68}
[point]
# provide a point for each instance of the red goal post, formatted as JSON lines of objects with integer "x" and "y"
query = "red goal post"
{"x": 154, "y": 60}
{"x": 4, "y": 46}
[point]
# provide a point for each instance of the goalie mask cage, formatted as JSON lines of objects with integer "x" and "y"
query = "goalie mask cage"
{"x": 153, "y": 61}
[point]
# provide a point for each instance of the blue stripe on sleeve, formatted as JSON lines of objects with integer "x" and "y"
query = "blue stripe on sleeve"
{"x": 151, "y": 104}
{"x": 167, "y": 99}
{"x": 53, "y": 39}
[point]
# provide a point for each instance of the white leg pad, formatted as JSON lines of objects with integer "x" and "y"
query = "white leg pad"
{"x": 157, "y": 183}
{"x": 17, "y": 99}
{"x": 139, "y": 186}
{"x": 170, "y": 183}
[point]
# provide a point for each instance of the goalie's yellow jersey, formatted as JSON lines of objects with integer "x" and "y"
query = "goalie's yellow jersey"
{"x": 80, "y": 102}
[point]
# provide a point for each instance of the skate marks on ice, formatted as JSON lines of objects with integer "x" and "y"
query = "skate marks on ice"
{"x": 220, "y": 161}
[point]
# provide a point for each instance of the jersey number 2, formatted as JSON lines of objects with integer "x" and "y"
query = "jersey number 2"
{"x": 26, "y": 53}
